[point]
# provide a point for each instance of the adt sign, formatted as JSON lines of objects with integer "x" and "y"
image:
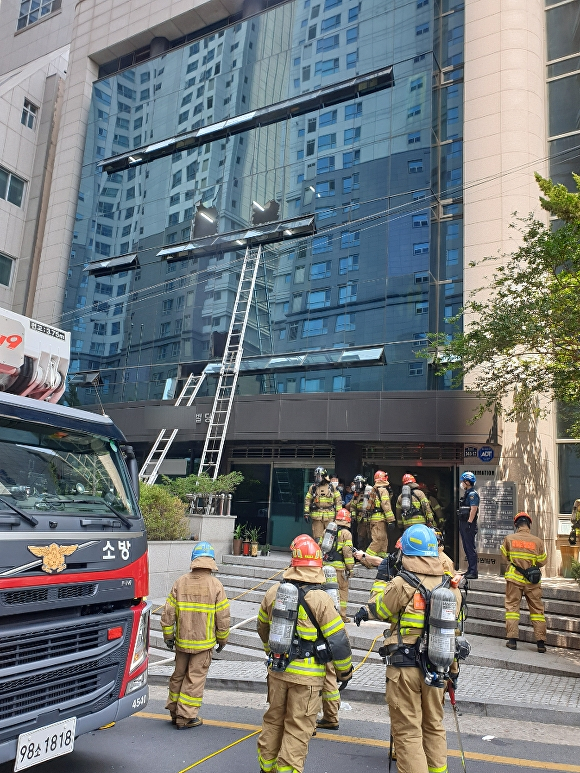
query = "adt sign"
{"x": 486, "y": 453}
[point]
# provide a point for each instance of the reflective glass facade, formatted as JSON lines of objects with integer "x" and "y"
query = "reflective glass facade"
{"x": 381, "y": 173}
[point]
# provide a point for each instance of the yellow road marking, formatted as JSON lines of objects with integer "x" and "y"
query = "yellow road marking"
{"x": 538, "y": 764}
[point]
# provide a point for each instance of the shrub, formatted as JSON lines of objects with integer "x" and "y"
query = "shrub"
{"x": 203, "y": 484}
{"x": 164, "y": 514}
{"x": 575, "y": 570}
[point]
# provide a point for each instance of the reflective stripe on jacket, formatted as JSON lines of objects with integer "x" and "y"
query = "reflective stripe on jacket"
{"x": 321, "y": 500}
{"x": 307, "y": 670}
{"x": 197, "y": 612}
{"x": 523, "y": 549}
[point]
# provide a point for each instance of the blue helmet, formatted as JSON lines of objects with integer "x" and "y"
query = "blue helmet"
{"x": 202, "y": 549}
{"x": 419, "y": 540}
{"x": 469, "y": 477}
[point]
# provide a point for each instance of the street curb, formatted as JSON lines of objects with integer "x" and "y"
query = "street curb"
{"x": 518, "y": 711}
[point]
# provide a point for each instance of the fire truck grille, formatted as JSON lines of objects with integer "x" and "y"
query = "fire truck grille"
{"x": 37, "y": 595}
{"x": 17, "y": 651}
{"x": 18, "y": 696}
{"x": 25, "y": 596}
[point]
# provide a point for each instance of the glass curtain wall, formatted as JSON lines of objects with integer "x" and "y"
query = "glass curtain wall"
{"x": 381, "y": 173}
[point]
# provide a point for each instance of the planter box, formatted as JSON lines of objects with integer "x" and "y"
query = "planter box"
{"x": 168, "y": 560}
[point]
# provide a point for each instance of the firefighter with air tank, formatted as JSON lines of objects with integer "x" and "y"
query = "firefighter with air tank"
{"x": 337, "y": 550}
{"x": 381, "y": 517}
{"x": 302, "y": 632}
{"x": 358, "y": 507}
{"x": 412, "y": 505}
{"x": 321, "y": 503}
{"x": 420, "y": 651}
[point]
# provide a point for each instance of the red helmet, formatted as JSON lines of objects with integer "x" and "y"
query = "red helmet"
{"x": 422, "y": 486}
{"x": 408, "y": 478}
{"x": 305, "y": 552}
{"x": 343, "y": 515}
{"x": 381, "y": 476}
{"x": 517, "y": 516}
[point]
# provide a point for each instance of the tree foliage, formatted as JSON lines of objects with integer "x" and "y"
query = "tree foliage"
{"x": 164, "y": 514}
{"x": 520, "y": 342}
{"x": 203, "y": 484}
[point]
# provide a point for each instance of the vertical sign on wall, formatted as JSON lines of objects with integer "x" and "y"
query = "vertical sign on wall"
{"x": 496, "y": 519}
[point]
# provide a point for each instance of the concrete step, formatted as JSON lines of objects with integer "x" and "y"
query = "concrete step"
{"x": 557, "y": 608}
{"x": 497, "y": 614}
{"x": 497, "y": 630}
{"x": 555, "y": 588}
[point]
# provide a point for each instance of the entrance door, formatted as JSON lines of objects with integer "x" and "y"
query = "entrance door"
{"x": 439, "y": 483}
{"x": 289, "y": 486}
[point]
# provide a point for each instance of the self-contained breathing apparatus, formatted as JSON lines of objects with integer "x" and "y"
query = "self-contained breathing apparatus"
{"x": 284, "y": 642}
{"x": 328, "y": 544}
{"x": 438, "y": 646}
{"x": 331, "y": 585}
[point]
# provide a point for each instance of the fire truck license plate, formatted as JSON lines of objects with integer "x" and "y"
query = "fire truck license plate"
{"x": 45, "y": 743}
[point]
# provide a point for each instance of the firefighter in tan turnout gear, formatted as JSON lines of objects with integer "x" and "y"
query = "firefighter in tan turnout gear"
{"x": 359, "y": 512}
{"x": 526, "y": 554}
{"x": 321, "y": 503}
{"x": 196, "y": 617}
{"x": 381, "y": 517}
{"x": 413, "y": 506}
{"x": 415, "y": 707}
{"x": 302, "y": 632}
{"x": 337, "y": 551}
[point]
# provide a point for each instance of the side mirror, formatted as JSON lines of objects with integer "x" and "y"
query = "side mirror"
{"x": 132, "y": 467}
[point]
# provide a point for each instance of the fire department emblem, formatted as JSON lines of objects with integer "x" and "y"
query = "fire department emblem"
{"x": 52, "y": 556}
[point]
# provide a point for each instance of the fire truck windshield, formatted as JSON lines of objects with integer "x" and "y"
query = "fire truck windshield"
{"x": 46, "y": 469}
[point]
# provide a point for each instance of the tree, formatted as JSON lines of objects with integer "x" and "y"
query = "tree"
{"x": 164, "y": 514}
{"x": 203, "y": 485}
{"x": 520, "y": 346}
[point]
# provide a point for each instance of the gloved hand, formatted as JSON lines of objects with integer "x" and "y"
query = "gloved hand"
{"x": 344, "y": 679}
{"x": 220, "y": 647}
{"x": 452, "y": 679}
{"x": 170, "y": 643}
{"x": 361, "y": 616}
{"x": 391, "y": 527}
{"x": 306, "y": 518}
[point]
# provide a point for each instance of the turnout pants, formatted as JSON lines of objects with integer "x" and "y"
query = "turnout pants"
{"x": 287, "y": 726}
{"x": 513, "y": 597}
{"x": 330, "y": 695}
{"x": 363, "y": 534}
{"x": 186, "y": 684}
{"x": 342, "y": 591}
{"x": 416, "y": 712}
{"x": 378, "y": 546}
{"x": 319, "y": 524}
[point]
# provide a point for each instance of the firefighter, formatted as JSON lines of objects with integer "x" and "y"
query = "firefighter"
{"x": 294, "y": 692}
{"x": 196, "y": 617}
{"x": 321, "y": 503}
{"x": 358, "y": 511}
{"x": 574, "y": 537}
{"x": 526, "y": 554}
{"x": 381, "y": 517}
{"x": 415, "y": 708}
{"x": 438, "y": 515}
{"x": 419, "y": 510}
{"x": 340, "y": 556}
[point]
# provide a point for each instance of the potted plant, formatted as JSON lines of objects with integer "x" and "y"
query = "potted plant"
{"x": 265, "y": 550}
{"x": 237, "y": 540}
{"x": 254, "y": 535}
{"x": 246, "y": 545}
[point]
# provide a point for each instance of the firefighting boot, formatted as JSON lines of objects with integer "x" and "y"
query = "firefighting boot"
{"x": 541, "y": 645}
{"x": 195, "y": 722}
{"x": 324, "y": 724}
{"x": 512, "y": 644}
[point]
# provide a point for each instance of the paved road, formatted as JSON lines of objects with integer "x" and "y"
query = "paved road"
{"x": 147, "y": 743}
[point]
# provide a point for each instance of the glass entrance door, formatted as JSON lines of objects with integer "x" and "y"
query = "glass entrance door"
{"x": 289, "y": 486}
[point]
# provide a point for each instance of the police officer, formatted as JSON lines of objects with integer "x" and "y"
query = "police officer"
{"x": 294, "y": 694}
{"x": 381, "y": 517}
{"x": 341, "y": 558}
{"x": 419, "y": 510}
{"x": 321, "y": 503}
{"x": 415, "y": 708}
{"x": 358, "y": 511}
{"x": 468, "y": 507}
{"x": 526, "y": 554}
{"x": 194, "y": 629}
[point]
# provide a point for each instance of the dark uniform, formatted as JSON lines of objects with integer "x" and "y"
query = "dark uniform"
{"x": 467, "y": 530}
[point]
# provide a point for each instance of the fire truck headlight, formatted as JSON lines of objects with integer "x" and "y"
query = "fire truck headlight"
{"x": 140, "y": 647}
{"x": 137, "y": 683}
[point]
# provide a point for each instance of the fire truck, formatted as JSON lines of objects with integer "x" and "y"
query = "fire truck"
{"x": 74, "y": 616}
